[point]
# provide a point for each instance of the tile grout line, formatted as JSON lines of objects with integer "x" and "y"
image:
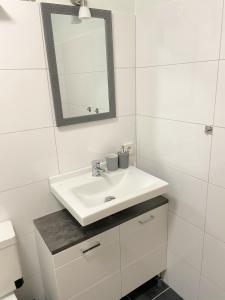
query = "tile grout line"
{"x": 49, "y": 86}
{"x": 214, "y": 282}
{"x": 173, "y": 168}
{"x": 46, "y": 68}
{"x": 23, "y": 185}
{"x": 156, "y": 297}
{"x": 26, "y": 130}
{"x": 182, "y": 217}
{"x": 210, "y": 158}
{"x": 25, "y": 69}
{"x": 121, "y": 67}
{"x": 186, "y": 220}
{"x": 172, "y": 120}
{"x": 54, "y": 126}
{"x": 175, "y": 120}
{"x": 135, "y": 92}
{"x": 178, "y": 63}
{"x": 141, "y": 156}
{"x": 214, "y": 237}
{"x": 197, "y": 227}
{"x": 185, "y": 261}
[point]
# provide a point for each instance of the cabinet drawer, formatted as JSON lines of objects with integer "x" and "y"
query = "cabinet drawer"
{"x": 88, "y": 269}
{"x": 143, "y": 234}
{"x": 75, "y": 252}
{"x": 108, "y": 289}
{"x": 143, "y": 269}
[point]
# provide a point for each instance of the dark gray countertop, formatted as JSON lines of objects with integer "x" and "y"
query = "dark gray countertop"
{"x": 61, "y": 231}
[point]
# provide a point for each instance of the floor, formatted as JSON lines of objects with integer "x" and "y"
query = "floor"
{"x": 154, "y": 289}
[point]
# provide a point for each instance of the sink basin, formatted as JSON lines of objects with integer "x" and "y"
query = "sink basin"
{"x": 90, "y": 199}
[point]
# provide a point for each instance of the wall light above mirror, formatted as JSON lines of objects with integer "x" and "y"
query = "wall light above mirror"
{"x": 81, "y": 65}
{"x": 84, "y": 11}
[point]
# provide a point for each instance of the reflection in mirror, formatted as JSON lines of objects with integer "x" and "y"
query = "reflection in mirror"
{"x": 81, "y": 64}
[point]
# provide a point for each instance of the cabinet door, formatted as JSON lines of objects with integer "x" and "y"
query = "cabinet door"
{"x": 143, "y": 248}
{"x": 98, "y": 259}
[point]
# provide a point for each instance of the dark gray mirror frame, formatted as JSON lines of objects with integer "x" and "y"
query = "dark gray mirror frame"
{"x": 48, "y": 9}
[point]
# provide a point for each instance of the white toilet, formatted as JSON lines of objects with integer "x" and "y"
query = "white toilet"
{"x": 10, "y": 268}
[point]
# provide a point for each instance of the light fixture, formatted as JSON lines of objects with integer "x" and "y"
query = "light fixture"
{"x": 84, "y": 12}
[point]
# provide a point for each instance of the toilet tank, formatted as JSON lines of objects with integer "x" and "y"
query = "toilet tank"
{"x": 10, "y": 269}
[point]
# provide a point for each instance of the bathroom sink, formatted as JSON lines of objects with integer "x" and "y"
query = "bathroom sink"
{"x": 90, "y": 199}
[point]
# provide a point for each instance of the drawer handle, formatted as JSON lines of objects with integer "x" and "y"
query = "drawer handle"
{"x": 98, "y": 244}
{"x": 149, "y": 219}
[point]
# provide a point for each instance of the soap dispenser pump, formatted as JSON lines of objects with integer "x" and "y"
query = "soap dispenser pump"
{"x": 123, "y": 155}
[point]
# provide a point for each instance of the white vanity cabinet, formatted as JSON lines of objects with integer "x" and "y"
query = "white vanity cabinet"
{"x": 109, "y": 265}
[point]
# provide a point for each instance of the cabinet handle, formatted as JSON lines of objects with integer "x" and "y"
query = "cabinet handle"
{"x": 98, "y": 244}
{"x": 142, "y": 222}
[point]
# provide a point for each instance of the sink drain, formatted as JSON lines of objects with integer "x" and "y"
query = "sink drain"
{"x": 109, "y": 198}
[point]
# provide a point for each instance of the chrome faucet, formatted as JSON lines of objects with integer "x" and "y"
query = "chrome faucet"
{"x": 96, "y": 168}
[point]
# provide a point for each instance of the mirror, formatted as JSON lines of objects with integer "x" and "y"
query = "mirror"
{"x": 80, "y": 59}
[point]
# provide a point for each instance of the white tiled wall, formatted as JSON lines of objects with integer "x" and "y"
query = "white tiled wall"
{"x": 180, "y": 89}
{"x": 170, "y": 32}
{"x": 32, "y": 149}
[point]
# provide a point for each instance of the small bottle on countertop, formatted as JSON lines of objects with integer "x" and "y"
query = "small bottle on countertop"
{"x": 123, "y": 155}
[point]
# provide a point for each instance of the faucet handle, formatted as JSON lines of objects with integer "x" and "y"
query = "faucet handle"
{"x": 96, "y": 163}
{"x": 96, "y": 168}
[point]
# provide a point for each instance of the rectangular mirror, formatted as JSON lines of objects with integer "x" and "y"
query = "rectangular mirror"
{"x": 80, "y": 58}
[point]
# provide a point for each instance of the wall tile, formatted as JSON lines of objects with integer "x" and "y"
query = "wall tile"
{"x": 78, "y": 145}
{"x": 220, "y": 99}
{"x": 217, "y": 167}
{"x": 27, "y": 157}
{"x": 215, "y": 218}
{"x": 125, "y": 91}
{"x": 20, "y": 33}
{"x": 124, "y": 40}
{"x": 214, "y": 260}
{"x": 24, "y": 100}
{"x": 28, "y": 256}
{"x": 209, "y": 291}
{"x": 183, "y": 146}
{"x": 170, "y": 32}
{"x": 183, "y": 92}
{"x": 187, "y": 195}
{"x": 180, "y": 233}
{"x": 66, "y": 2}
{"x": 23, "y": 205}
{"x": 32, "y": 289}
{"x": 115, "y": 5}
{"x": 182, "y": 277}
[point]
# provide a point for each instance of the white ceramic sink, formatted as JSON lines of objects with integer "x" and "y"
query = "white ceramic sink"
{"x": 85, "y": 196}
